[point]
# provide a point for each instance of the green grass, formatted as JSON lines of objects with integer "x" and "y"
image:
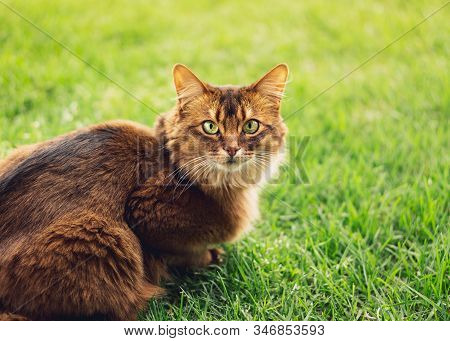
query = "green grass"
{"x": 368, "y": 237}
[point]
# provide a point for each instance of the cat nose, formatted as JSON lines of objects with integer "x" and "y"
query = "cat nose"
{"x": 232, "y": 150}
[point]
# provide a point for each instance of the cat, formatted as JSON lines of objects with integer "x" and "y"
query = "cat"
{"x": 92, "y": 221}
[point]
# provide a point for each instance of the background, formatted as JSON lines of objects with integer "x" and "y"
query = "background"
{"x": 368, "y": 237}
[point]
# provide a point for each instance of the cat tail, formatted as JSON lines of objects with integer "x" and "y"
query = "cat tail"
{"x": 156, "y": 269}
{"x": 12, "y": 317}
{"x": 150, "y": 291}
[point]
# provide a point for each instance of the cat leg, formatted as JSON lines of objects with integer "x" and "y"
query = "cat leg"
{"x": 194, "y": 259}
{"x": 78, "y": 267}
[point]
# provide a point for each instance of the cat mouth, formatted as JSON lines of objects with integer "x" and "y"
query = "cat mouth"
{"x": 235, "y": 161}
{"x": 231, "y": 164}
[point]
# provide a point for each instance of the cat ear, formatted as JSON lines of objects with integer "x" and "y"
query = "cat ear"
{"x": 187, "y": 84}
{"x": 272, "y": 84}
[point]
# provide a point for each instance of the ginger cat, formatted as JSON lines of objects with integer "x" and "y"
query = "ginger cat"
{"x": 92, "y": 220}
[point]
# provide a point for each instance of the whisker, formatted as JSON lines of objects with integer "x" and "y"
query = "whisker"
{"x": 173, "y": 174}
{"x": 202, "y": 171}
{"x": 194, "y": 168}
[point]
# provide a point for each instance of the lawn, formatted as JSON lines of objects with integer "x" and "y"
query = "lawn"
{"x": 367, "y": 236}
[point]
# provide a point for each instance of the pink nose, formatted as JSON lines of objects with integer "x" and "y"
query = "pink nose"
{"x": 232, "y": 150}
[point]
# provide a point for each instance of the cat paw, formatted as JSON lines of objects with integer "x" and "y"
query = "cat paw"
{"x": 216, "y": 255}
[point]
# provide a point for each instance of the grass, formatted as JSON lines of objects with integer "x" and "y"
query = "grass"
{"x": 368, "y": 237}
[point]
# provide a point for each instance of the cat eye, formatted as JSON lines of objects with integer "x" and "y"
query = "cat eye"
{"x": 251, "y": 126}
{"x": 210, "y": 127}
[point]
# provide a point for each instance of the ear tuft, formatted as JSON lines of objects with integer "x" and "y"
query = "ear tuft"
{"x": 272, "y": 84}
{"x": 187, "y": 84}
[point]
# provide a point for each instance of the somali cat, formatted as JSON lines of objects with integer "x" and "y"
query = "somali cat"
{"x": 91, "y": 221}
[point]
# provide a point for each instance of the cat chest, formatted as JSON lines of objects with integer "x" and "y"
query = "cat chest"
{"x": 241, "y": 214}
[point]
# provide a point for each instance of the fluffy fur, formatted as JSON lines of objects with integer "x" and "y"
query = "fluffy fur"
{"x": 91, "y": 221}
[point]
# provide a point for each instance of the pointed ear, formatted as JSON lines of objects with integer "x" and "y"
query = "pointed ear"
{"x": 187, "y": 84}
{"x": 273, "y": 82}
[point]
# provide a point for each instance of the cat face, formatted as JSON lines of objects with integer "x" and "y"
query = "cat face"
{"x": 227, "y": 135}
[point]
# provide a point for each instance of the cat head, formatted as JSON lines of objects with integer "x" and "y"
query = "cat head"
{"x": 226, "y": 135}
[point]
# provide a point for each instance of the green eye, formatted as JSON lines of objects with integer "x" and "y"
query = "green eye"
{"x": 251, "y": 126}
{"x": 210, "y": 127}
